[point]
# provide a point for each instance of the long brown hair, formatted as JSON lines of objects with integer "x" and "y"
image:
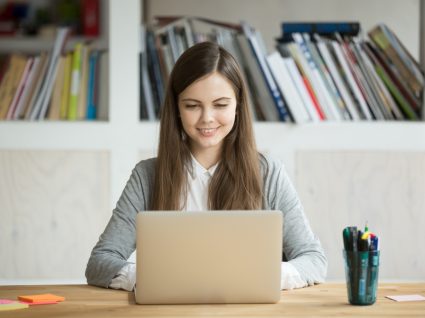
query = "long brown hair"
{"x": 237, "y": 182}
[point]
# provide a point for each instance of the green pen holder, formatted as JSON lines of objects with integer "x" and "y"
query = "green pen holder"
{"x": 361, "y": 275}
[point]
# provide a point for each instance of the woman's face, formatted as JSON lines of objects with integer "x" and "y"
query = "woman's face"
{"x": 207, "y": 109}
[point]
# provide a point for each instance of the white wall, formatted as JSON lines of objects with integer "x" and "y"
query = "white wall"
{"x": 266, "y": 15}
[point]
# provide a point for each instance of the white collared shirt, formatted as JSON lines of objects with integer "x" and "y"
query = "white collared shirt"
{"x": 197, "y": 186}
{"x": 197, "y": 200}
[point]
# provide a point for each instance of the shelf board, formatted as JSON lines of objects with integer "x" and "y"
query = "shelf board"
{"x": 39, "y": 44}
{"x": 107, "y": 135}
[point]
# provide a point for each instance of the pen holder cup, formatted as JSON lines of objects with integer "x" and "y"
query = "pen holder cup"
{"x": 361, "y": 275}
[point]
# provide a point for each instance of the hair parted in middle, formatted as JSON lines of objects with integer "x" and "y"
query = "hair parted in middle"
{"x": 237, "y": 181}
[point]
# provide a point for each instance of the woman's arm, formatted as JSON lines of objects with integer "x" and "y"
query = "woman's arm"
{"x": 300, "y": 246}
{"x": 118, "y": 240}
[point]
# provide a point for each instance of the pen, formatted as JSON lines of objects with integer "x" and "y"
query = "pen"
{"x": 346, "y": 238}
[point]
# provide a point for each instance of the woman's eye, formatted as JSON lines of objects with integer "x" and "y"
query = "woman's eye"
{"x": 220, "y": 105}
{"x": 191, "y": 105}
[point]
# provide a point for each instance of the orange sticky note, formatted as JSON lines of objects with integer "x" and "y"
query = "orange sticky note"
{"x": 41, "y": 298}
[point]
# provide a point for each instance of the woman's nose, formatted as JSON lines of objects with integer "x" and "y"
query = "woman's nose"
{"x": 207, "y": 115}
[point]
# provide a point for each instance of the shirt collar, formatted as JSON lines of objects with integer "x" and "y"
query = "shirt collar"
{"x": 199, "y": 170}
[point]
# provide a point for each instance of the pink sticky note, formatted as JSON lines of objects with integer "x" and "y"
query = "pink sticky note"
{"x": 407, "y": 297}
{"x": 5, "y": 301}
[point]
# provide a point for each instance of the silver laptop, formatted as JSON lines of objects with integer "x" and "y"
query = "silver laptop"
{"x": 208, "y": 257}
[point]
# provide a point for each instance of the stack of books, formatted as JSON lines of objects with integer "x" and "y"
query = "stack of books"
{"x": 164, "y": 43}
{"x": 320, "y": 71}
{"x": 55, "y": 85}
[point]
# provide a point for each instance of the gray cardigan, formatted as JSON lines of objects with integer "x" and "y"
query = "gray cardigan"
{"x": 300, "y": 247}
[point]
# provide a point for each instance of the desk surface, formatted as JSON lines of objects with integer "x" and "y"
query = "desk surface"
{"x": 326, "y": 300}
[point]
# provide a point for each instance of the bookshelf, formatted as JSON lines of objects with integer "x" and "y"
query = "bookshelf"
{"x": 102, "y": 154}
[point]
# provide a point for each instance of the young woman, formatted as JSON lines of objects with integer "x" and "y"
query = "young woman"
{"x": 207, "y": 160}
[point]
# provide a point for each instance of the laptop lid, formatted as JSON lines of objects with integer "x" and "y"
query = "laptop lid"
{"x": 208, "y": 257}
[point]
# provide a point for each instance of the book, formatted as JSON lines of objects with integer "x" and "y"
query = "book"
{"x": 20, "y": 89}
{"x": 82, "y": 90}
{"x": 394, "y": 76}
{"x": 345, "y": 68}
{"x": 155, "y": 69}
{"x": 10, "y": 82}
{"x": 405, "y": 107}
{"x": 321, "y": 28}
{"x": 260, "y": 92}
{"x": 74, "y": 89}
{"x": 380, "y": 35}
{"x": 90, "y": 16}
{"x": 327, "y": 78}
{"x": 91, "y": 85}
{"x": 39, "y": 109}
{"x": 287, "y": 87}
{"x": 63, "y": 113}
{"x": 378, "y": 85}
{"x": 365, "y": 82}
{"x": 303, "y": 92}
{"x": 146, "y": 87}
{"x": 29, "y": 84}
{"x": 39, "y": 77}
{"x": 103, "y": 86}
{"x": 339, "y": 82}
{"x": 55, "y": 102}
{"x": 312, "y": 77}
{"x": 258, "y": 52}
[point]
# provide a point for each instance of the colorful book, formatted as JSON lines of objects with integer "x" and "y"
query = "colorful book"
{"x": 91, "y": 87}
{"x": 74, "y": 88}
{"x": 55, "y": 102}
{"x": 256, "y": 46}
{"x": 20, "y": 89}
{"x": 380, "y": 36}
{"x": 35, "y": 89}
{"x": 63, "y": 114}
{"x": 82, "y": 94}
{"x": 339, "y": 82}
{"x": 10, "y": 82}
{"x": 287, "y": 88}
{"x": 39, "y": 109}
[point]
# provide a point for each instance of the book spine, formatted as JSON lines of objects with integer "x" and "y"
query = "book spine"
{"x": 91, "y": 106}
{"x": 75, "y": 82}
{"x": 90, "y": 18}
{"x": 324, "y": 51}
{"x": 20, "y": 89}
{"x": 287, "y": 87}
{"x": 63, "y": 114}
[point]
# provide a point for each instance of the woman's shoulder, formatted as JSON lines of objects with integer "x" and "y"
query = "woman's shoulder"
{"x": 270, "y": 164}
{"x": 145, "y": 168}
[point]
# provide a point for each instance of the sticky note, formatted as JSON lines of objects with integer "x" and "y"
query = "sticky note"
{"x": 41, "y": 298}
{"x": 7, "y": 304}
{"x": 39, "y": 303}
{"x": 407, "y": 297}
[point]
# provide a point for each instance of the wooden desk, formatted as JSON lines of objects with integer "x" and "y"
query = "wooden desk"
{"x": 327, "y": 300}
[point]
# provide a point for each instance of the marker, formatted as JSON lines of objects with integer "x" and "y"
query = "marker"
{"x": 373, "y": 243}
{"x": 346, "y": 238}
{"x": 366, "y": 229}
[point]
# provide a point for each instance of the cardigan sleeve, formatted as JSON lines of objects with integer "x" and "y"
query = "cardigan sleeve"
{"x": 118, "y": 240}
{"x": 300, "y": 246}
